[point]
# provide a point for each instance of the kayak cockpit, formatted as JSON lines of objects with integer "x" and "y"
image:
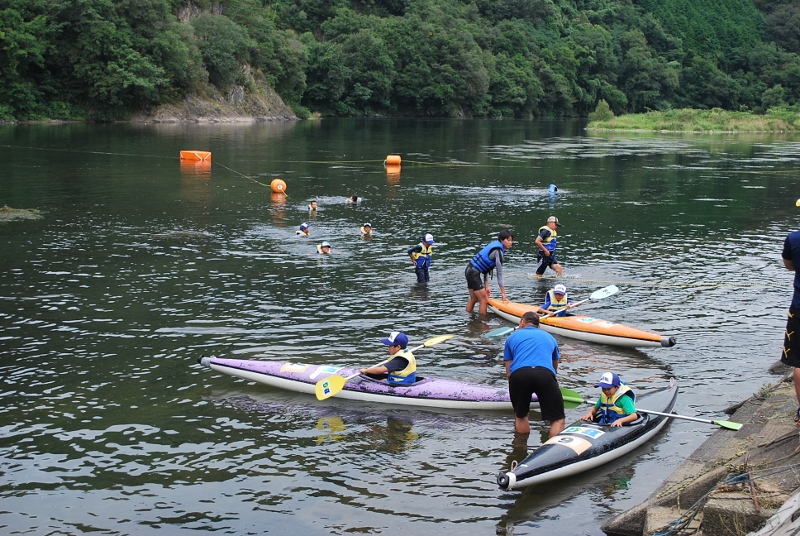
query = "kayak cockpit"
{"x": 381, "y": 378}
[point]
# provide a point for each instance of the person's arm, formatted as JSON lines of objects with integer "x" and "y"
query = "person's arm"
{"x": 628, "y": 418}
{"x": 393, "y": 365}
{"x": 498, "y": 260}
{"x": 380, "y": 369}
{"x": 589, "y": 416}
{"x": 628, "y": 406}
{"x": 556, "y": 358}
{"x": 508, "y": 357}
{"x": 411, "y": 251}
{"x": 787, "y": 255}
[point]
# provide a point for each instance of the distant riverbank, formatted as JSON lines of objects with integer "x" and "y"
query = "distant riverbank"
{"x": 689, "y": 120}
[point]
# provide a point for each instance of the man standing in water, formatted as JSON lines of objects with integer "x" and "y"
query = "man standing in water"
{"x": 531, "y": 358}
{"x": 479, "y": 268}
{"x": 791, "y": 339}
{"x": 546, "y": 242}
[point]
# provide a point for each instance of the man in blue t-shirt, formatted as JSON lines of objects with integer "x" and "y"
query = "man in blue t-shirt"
{"x": 531, "y": 358}
{"x": 791, "y": 339}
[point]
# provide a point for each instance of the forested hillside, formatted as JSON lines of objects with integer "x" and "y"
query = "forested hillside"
{"x": 105, "y": 59}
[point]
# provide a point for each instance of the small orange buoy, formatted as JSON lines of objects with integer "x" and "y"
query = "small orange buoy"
{"x": 278, "y": 186}
{"x": 202, "y": 156}
{"x": 393, "y": 160}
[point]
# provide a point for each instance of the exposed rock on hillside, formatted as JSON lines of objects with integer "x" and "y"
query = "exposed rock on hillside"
{"x": 259, "y": 102}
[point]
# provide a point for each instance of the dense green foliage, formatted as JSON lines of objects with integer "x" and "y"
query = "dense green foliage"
{"x": 103, "y": 59}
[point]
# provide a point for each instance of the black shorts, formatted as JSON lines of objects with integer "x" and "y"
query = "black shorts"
{"x": 474, "y": 278}
{"x": 528, "y": 380}
{"x": 543, "y": 263}
{"x": 791, "y": 339}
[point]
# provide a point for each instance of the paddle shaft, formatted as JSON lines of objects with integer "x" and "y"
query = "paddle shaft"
{"x": 725, "y": 424}
{"x": 569, "y": 306}
{"x": 600, "y": 294}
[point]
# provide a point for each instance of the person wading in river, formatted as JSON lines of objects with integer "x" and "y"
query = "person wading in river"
{"x": 531, "y": 358}
{"x": 481, "y": 266}
{"x": 546, "y": 243}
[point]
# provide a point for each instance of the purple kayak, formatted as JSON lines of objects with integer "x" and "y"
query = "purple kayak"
{"x": 426, "y": 392}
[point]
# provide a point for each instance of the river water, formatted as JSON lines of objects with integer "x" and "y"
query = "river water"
{"x": 140, "y": 264}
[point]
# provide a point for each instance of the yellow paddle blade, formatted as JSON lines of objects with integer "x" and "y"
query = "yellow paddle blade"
{"x": 329, "y": 386}
{"x": 437, "y": 340}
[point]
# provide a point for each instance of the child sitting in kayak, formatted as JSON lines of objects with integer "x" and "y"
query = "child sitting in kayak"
{"x": 556, "y": 302}
{"x": 400, "y": 369}
{"x": 616, "y": 405}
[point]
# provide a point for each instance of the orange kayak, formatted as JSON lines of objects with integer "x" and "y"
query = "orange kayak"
{"x": 584, "y": 328}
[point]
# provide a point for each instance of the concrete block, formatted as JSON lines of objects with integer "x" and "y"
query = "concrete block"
{"x": 732, "y": 514}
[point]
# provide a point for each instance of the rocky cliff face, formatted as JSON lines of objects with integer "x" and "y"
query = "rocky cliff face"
{"x": 258, "y": 102}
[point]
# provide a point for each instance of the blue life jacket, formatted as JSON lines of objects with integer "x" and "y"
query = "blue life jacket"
{"x": 481, "y": 260}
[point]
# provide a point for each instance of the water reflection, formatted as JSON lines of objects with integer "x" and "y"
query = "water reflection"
{"x": 393, "y": 175}
{"x": 395, "y": 436}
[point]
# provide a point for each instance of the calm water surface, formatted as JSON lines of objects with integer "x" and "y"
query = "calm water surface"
{"x": 141, "y": 264}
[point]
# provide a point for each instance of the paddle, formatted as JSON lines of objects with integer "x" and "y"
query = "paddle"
{"x": 724, "y": 424}
{"x": 600, "y": 294}
{"x": 328, "y": 387}
{"x": 572, "y": 398}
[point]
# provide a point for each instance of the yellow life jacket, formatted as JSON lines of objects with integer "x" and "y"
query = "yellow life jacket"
{"x": 408, "y": 375}
{"x": 422, "y": 258}
{"x": 549, "y": 243}
{"x": 556, "y": 305}
{"x": 609, "y": 411}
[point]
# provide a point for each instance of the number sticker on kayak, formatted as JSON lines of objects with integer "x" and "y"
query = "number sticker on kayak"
{"x": 576, "y": 444}
{"x": 294, "y": 367}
